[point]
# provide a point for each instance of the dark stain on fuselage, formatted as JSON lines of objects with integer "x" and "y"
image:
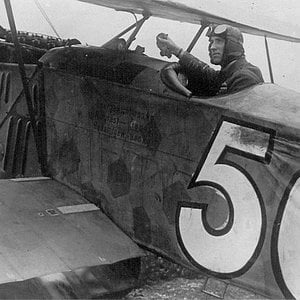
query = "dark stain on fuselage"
{"x": 97, "y": 116}
{"x": 142, "y": 225}
{"x": 151, "y": 135}
{"x": 67, "y": 158}
{"x": 118, "y": 178}
{"x": 171, "y": 196}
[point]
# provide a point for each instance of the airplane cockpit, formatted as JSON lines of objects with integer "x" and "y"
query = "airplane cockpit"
{"x": 110, "y": 61}
{"x": 120, "y": 60}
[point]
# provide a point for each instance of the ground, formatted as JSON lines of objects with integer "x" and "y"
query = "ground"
{"x": 161, "y": 279}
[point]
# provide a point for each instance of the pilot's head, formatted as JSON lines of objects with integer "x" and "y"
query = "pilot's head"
{"x": 225, "y": 44}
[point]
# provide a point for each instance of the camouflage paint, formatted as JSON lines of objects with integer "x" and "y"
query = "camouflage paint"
{"x": 155, "y": 161}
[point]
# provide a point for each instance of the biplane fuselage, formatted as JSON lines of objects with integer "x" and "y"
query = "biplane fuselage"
{"x": 209, "y": 182}
{"x": 206, "y": 182}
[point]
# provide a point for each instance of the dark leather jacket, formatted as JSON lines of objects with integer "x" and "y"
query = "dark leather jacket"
{"x": 204, "y": 80}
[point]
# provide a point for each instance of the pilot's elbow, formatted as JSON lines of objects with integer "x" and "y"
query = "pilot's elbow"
{"x": 169, "y": 76}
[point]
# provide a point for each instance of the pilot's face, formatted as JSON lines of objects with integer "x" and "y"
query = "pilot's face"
{"x": 216, "y": 49}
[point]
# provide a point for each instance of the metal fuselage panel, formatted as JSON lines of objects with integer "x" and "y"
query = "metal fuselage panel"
{"x": 204, "y": 181}
{"x": 17, "y": 144}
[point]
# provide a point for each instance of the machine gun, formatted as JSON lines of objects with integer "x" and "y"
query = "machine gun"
{"x": 33, "y": 45}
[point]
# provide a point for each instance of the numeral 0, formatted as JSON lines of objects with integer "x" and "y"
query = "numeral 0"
{"x": 285, "y": 248}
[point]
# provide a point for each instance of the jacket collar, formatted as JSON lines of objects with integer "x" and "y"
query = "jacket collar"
{"x": 233, "y": 66}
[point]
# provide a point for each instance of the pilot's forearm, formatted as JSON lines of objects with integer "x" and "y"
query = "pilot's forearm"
{"x": 193, "y": 64}
{"x": 201, "y": 73}
{"x": 178, "y": 51}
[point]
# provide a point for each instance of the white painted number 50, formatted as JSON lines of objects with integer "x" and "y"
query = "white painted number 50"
{"x": 240, "y": 240}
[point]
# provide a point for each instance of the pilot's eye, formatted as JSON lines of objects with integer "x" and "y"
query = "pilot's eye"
{"x": 218, "y": 41}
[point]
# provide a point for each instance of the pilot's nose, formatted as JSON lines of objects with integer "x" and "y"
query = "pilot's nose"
{"x": 213, "y": 46}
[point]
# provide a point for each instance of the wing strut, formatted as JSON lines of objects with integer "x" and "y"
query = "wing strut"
{"x": 25, "y": 84}
{"x": 269, "y": 60}
{"x": 39, "y": 6}
{"x": 136, "y": 30}
{"x": 196, "y": 37}
{"x": 137, "y": 27}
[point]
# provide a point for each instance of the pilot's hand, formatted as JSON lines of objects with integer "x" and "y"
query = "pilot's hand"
{"x": 166, "y": 45}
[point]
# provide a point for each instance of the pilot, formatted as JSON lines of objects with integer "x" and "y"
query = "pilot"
{"x": 225, "y": 49}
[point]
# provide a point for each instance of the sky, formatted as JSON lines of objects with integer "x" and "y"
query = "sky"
{"x": 94, "y": 25}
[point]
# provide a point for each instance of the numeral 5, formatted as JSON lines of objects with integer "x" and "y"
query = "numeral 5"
{"x": 230, "y": 250}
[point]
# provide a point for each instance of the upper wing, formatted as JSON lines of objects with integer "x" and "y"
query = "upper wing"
{"x": 183, "y": 13}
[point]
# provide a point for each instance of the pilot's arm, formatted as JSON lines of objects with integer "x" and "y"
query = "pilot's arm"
{"x": 202, "y": 78}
